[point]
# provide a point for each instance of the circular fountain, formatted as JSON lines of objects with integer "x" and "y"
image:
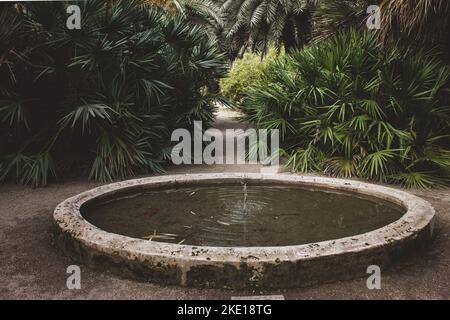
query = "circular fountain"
{"x": 237, "y": 230}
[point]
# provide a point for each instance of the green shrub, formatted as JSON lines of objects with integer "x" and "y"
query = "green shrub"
{"x": 103, "y": 100}
{"x": 244, "y": 72}
{"x": 348, "y": 107}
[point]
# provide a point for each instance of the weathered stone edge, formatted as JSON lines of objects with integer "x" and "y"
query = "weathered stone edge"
{"x": 239, "y": 267}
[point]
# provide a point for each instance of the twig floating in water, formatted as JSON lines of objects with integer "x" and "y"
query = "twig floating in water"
{"x": 150, "y": 237}
{"x": 163, "y": 236}
{"x": 170, "y": 234}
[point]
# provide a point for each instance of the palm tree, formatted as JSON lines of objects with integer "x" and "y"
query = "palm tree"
{"x": 416, "y": 23}
{"x": 330, "y": 16}
{"x": 421, "y": 21}
{"x": 204, "y": 12}
{"x": 255, "y": 24}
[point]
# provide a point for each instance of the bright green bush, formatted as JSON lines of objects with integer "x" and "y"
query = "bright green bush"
{"x": 348, "y": 107}
{"x": 244, "y": 72}
{"x": 103, "y": 100}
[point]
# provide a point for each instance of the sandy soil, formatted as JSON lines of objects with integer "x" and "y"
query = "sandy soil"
{"x": 32, "y": 266}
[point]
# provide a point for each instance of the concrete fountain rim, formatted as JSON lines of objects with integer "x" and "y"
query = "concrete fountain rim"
{"x": 67, "y": 216}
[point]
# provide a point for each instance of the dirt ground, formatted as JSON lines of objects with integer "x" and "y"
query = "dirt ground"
{"x": 32, "y": 266}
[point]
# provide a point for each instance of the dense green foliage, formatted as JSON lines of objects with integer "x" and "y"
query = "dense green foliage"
{"x": 243, "y": 73}
{"x": 103, "y": 100}
{"x": 348, "y": 107}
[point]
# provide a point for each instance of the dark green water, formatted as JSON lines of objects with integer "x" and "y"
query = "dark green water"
{"x": 238, "y": 215}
